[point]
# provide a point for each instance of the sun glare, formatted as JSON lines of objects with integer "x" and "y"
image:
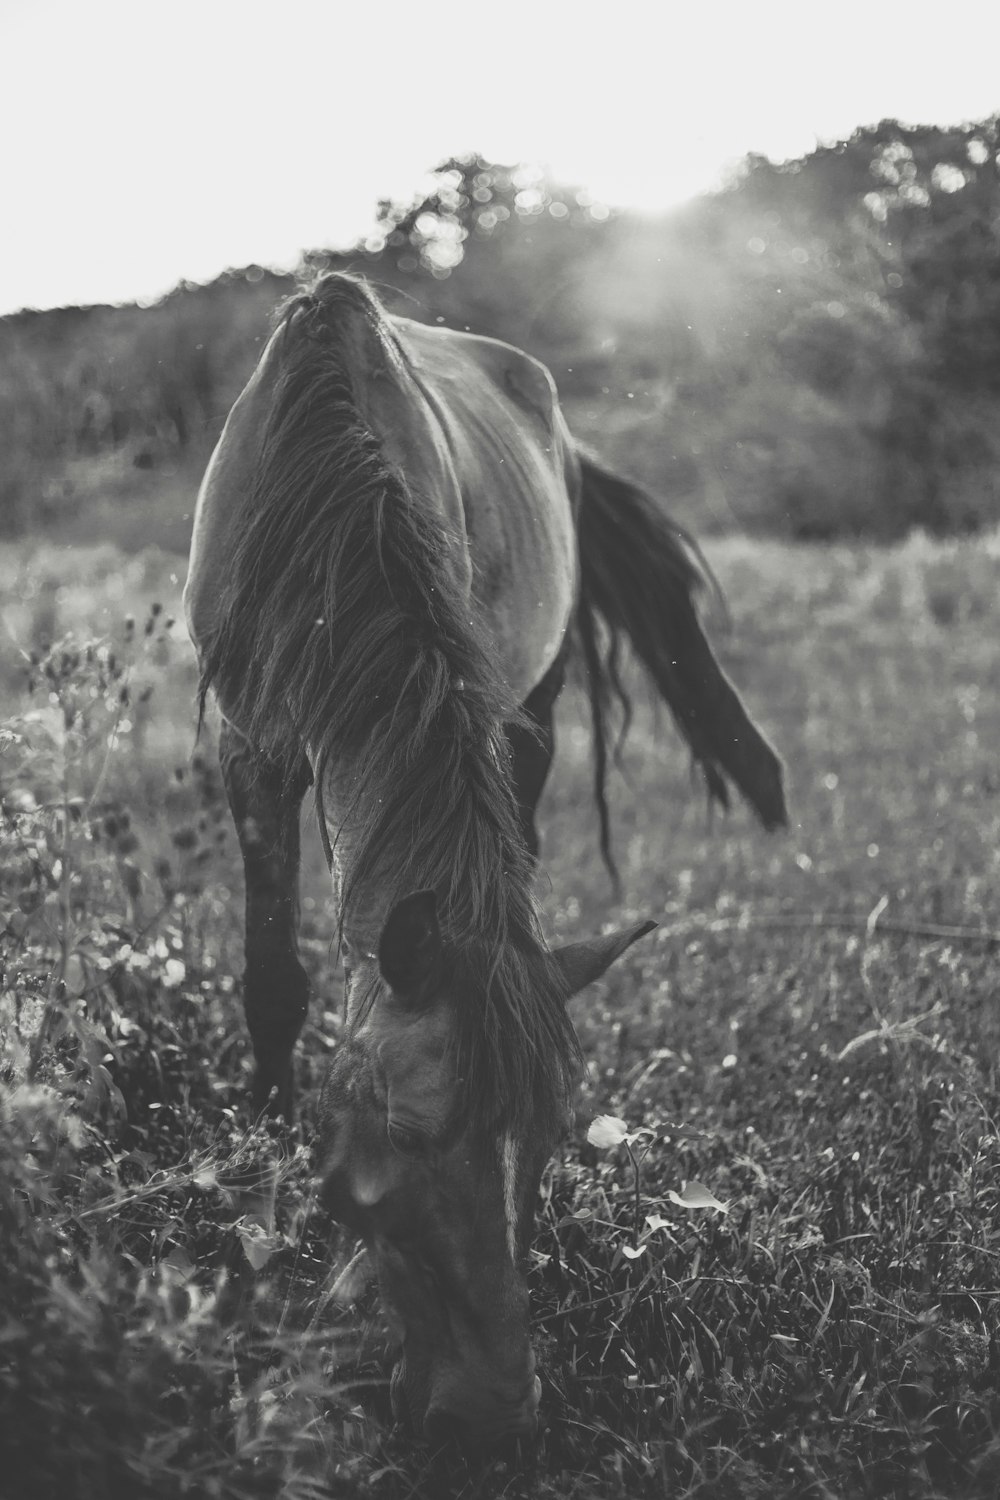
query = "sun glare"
{"x": 160, "y": 149}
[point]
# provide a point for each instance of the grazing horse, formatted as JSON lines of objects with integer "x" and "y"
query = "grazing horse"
{"x": 396, "y": 541}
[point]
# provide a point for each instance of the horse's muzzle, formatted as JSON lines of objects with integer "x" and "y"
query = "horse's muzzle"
{"x": 486, "y": 1423}
{"x": 475, "y": 1417}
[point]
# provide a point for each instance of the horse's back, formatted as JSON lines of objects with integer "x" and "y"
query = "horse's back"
{"x": 498, "y": 413}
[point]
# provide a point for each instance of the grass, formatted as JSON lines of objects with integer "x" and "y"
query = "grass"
{"x": 812, "y": 1033}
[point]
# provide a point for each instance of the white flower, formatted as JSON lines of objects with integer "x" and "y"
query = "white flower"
{"x": 173, "y": 973}
{"x": 607, "y": 1131}
{"x": 696, "y": 1195}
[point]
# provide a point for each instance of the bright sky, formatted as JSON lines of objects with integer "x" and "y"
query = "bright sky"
{"x": 145, "y": 142}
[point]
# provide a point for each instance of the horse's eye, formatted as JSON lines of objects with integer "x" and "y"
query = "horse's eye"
{"x": 407, "y": 1141}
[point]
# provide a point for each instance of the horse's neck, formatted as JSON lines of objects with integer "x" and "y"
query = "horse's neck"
{"x": 365, "y": 886}
{"x": 368, "y": 891}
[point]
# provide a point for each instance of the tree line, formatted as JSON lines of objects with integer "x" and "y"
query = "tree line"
{"x": 812, "y": 352}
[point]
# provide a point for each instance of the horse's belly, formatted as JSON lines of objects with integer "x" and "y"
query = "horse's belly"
{"x": 524, "y": 579}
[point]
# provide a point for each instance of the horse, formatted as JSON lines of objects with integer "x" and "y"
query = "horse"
{"x": 397, "y": 545}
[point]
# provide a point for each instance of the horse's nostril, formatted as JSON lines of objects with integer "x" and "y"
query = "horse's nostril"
{"x": 441, "y": 1427}
{"x": 478, "y": 1430}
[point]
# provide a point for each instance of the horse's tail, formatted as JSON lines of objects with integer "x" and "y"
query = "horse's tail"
{"x": 640, "y": 574}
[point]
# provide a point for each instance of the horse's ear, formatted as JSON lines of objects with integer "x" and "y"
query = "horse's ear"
{"x": 409, "y": 949}
{"x": 581, "y": 963}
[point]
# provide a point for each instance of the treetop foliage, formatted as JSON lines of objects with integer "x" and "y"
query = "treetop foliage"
{"x": 814, "y": 350}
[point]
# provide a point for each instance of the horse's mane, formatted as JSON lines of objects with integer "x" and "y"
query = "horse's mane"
{"x": 343, "y": 629}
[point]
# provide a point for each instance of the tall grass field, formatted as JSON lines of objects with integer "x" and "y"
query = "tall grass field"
{"x": 811, "y": 1038}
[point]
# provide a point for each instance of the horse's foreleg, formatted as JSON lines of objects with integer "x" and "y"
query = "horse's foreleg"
{"x": 531, "y": 752}
{"x": 265, "y": 808}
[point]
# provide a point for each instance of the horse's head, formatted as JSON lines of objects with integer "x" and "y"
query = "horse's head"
{"x": 441, "y": 1190}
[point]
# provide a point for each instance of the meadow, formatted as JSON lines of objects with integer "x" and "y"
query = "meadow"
{"x": 811, "y": 1033}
